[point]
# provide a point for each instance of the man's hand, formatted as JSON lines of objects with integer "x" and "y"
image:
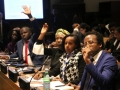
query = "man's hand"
{"x": 27, "y": 11}
{"x": 44, "y": 28}
{"x": 86, "y": 51}
{"x": 4, "y": 57}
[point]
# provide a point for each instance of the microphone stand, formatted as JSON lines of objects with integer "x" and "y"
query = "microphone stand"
{"x": 24, "y": 84}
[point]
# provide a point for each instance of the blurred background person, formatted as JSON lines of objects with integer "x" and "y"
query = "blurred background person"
{"x": 14, "y": 36}
{"x": 96, "y": 29}
{"x": 4, "y": 30}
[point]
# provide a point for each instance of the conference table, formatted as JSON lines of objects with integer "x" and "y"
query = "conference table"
{"x": 8, "y": 84}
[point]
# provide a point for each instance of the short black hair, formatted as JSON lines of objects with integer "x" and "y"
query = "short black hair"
{"x": 98, "y": 36}
{"x": 28, "y": 28}
{"x": 76, "y": 39}
{"x": 112, "y": 24}
{"x": 97, "y": 29}
{"x": 85, "y": 26}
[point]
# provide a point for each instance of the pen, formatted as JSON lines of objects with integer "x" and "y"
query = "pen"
{"x": 59, "y": 85}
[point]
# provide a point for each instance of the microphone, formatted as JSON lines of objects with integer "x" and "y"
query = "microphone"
{"x": 24, "y": 84}
{"x": 12, "y": 74}
{"x": 46, "y": 62}
{"x": 15, "y": 61}
{"x": 3, "y": 67}
{"x": 36, "y": 71}
{"x": 19, "y": 63}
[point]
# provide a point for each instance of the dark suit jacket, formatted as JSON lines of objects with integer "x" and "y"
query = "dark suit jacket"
{"x": 37, "y": 59}
{"x": 102, "y": 74}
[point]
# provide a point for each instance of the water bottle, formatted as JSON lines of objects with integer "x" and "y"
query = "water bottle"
{"x": 46, "y": 80}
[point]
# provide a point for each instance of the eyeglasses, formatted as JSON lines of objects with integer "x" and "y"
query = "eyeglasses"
{"x": 88, "y": 43}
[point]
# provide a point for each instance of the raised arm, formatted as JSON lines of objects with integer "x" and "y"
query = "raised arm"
{"x": 34, "y": 23}
{"x": 39, "y": 47}
{"x": 43, "y": 31}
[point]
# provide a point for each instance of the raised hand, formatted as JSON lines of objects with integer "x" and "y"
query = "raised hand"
{"x": 27, "y": 11}
{"x": 44, "y": 28}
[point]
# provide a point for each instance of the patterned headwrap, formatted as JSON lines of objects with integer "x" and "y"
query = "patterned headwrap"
{"x": 63, "y": 31}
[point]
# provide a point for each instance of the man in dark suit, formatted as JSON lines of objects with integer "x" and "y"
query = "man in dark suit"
{"x": 4, "y": 30}
{"x": 101, "y": 67}
{"x": 25, "y": 45}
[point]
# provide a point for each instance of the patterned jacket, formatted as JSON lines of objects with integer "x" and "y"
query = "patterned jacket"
{"x": 71, "y": 69}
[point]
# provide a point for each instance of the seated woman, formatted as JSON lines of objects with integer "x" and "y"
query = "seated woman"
{"x": 14, "y": 37}
{"x": 60, "y": 33}
{"x": 71, "y": 62}
{"x": 71, "y": 65}
{"x": 55, "y": 53}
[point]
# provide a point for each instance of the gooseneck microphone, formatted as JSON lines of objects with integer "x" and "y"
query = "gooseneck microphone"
{"x": 24, "y": 84}
{"x": 18, "y": 62}
{"x": 3, "y": 67}
{"x": 13, "y": 74}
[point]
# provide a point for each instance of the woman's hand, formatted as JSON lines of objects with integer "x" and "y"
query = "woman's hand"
{"x": 38, "y": 75}
{"x": 44, "y": 28}
{"x": 57, "y": 79}
{"x": 76, "y": 87}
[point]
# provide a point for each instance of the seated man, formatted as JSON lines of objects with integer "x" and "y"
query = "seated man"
{"x": 101, "y": 67}
{"x": 25, "y": 45}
